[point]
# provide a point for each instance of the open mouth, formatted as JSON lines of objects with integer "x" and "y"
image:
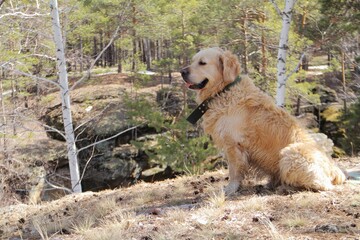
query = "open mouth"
{"x": 197, "y": 86}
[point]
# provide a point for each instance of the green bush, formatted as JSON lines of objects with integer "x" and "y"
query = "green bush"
{"x": 177, "y": 143}
{"x": 351, "y": 125}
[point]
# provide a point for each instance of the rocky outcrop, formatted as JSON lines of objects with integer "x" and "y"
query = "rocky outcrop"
{"x": 100, "y": 112}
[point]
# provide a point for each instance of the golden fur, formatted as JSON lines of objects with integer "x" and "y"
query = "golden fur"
{"x": 245, "y": 123}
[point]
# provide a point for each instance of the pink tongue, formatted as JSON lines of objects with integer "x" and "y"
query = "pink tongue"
{"x": 188, "y": 84}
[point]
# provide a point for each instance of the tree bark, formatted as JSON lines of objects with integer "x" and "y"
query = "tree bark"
{"x": 102, "y": 62}
{"x": 81, "y": 55}
{"x": 343, "y": 78}
{"x": 119, "y": 60}
{"x": 147, "y": 51}
{"x": 4, "y": 122}
{"x": 244, "y": 29}
{"x": 263, "y": 47}
{"x": 95, "y": 50}
{"x": 283, "y": 47}
{"x": 133, "y": 33}
{"x": 65, "y": 99}
{"x": 1, "y": 2}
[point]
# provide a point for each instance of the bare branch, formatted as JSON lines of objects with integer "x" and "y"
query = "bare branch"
{"x": 58, "y": 187}
{"x": 106, "y": 139}
{"x": 29, "y": 75}
{"x": 87, "y": 163}
{"x": 47, "y": 127}
{"x": 23, "y": 15}
{"x": 296, "y": 68}
{"x": 114, "y": 36}
{"x": 88, "y": 72}
{"x": 42, "y": 56}
{"x": 276, "y": 8}
{"x": 92, "y": 118}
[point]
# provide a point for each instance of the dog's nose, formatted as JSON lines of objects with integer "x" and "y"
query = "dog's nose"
{"x": 184, "y": 72}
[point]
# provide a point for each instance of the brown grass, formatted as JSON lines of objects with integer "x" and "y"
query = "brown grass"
{"x": 192, "y": 207}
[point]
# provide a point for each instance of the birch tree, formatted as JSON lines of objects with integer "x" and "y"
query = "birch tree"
{"x": 65, "y": 99}
{"x": 286, "y": 15}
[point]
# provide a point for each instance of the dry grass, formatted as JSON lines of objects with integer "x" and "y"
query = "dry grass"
{"x": 192, "y": 207}
{"x": 294, "y": 221}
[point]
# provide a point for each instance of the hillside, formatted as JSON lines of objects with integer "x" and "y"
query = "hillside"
{"x": 191, "y": 207}
{"x": 187, "y": 207}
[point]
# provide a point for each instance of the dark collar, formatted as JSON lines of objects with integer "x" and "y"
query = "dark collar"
{"x": 204, "y": 106}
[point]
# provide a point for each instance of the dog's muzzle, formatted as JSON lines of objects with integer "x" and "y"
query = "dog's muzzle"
{"x": 185, "y": 75}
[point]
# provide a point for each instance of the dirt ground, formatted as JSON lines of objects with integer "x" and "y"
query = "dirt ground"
{"x": 192, "y": 207}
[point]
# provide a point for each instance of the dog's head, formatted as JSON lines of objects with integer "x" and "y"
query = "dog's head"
{"x": 211, "y": 70}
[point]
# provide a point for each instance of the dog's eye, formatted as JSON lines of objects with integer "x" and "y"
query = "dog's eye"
{"x": 202, "y": 63}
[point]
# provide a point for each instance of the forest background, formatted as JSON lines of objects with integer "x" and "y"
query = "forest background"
{"x": 140, "y": 38}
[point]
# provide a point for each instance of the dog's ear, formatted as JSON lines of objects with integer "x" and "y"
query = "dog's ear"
{"x": 230, "y": 66}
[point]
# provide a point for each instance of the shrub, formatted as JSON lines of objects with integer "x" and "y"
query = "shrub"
{"x": 351, "y": 125}
{"x": 177, "y": 143}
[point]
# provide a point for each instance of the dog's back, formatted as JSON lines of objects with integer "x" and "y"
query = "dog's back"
{"x": 247, "y": 118}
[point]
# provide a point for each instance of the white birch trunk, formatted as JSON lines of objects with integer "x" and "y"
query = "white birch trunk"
{"x": 283, "y": 46}
{"x": 65, "y": 99}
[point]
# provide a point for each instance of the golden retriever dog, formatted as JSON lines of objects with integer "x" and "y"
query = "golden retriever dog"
{"x": 245, "y": 123}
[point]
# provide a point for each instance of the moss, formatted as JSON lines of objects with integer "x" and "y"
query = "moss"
{"x": 332, "y": 113}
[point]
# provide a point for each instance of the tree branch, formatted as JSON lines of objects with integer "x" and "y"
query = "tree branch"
{"x": 114, "y": 36}
{"x": 23, "y": 15}
{"x": 88, "y": 72}
{"x": 106, "y": 139}
{"x": 1, "y": 2}
{"x": 42, "y": 56}
{"x": 277, "y": 8}
{"x": 29, "y": 75}
{"x": 296, "y": 68}
{"x": 58, "y": 187}
{"x": 87, "y": 163}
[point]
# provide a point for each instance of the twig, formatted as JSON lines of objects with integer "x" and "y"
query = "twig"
{"x": 86, "y": 164}
{"x": 88, "y": 72}
{"x": 99, "y": 114}
{"x": 296, "y": 68}
{"x": 30, "y": 75}
{"x": 277, "y": 8}
{"x": 1, "y": 2}
{"x": 24, "y": 15}
{"x": 106, "y": 139}
{"x": 114, "y": 36}
{"x": 58, "y": 187}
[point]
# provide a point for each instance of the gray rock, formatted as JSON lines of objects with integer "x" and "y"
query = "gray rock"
{"x": 327, "y": 228}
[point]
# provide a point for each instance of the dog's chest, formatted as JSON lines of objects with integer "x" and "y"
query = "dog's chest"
{"x": 225, "y": 127}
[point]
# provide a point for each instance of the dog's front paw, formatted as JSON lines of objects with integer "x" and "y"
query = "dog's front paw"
{"x": 231, "y": 188}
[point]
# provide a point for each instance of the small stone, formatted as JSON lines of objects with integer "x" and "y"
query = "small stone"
{"x": 327, "y": 228}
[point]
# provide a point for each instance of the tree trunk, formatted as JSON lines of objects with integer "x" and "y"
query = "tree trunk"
{"x": 133, "y": 33}
{"x": 119, "y": 60}
{"x": 81, "y": 55}
{"x": 283, "y": 46}
{"x": 4, "y": 122}
{"x": 95, "y": 50}
{"x": 102, "y": 62}
{"x": 147, "y": 51}
{"x": 298, "y": 105}
{"x": 244, "y": 26}
{"x": 65, "y": 99}
{"x": 263, "y": 47}
{"x": 343, "y": 78}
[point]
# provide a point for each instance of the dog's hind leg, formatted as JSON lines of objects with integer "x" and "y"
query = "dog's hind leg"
{"x": 305, "y": 166}
{"x": 238, "y": 166}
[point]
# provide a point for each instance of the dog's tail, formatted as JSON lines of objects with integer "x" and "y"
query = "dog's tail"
{"x": 338, "y": 176}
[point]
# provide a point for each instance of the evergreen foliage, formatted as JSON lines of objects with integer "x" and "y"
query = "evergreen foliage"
{"x": 351, "y": 127}
{"x": 176, "y": 144}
